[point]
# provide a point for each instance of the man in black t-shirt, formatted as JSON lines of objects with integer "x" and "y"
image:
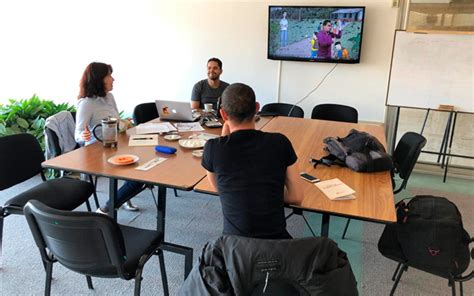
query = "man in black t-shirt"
{"x": 254, "y": 172}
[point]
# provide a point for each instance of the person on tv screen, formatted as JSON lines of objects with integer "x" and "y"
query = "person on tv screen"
{"x": 325, "y": 37}
{"x": 283, "y": 30}
{"x": 208, "y": 91}
{"x": 314, "y": 45}
{"x": 340, "y": 52}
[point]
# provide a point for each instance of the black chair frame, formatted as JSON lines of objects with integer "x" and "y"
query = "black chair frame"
{"x": 21, "y": 160}
{"x": 452, "y": 279}
{"x": 282, "y": 109}
{"x": 60, "y": 235}
{"x": 335, "y": 112}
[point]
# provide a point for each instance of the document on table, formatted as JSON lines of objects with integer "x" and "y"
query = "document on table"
{"x": 151, "y": 164}
{"x": 188, "y": 127}
{"x": 335, "y": 189}
{"x": 155, "y": 128}
{"x": 143, "y": 140}
{"x": 206, "y": 136}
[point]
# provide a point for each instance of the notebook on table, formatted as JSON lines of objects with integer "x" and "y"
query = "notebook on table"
{"x": 177, "y": 111}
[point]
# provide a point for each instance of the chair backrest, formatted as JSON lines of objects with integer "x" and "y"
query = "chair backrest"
{"x": 88, "y": 243}
{"x": 335, "y": 112}
{"x": 52, "y": 146}
{"x": 145, "y": 112}
{"x": 242, "y": 265}
{"x": 406, "y": 154}
{"x": 21, "y": 157}
{"x": 283, "y": 109}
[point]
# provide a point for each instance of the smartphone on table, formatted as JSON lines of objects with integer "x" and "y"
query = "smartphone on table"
{"x": 309, "y": 178}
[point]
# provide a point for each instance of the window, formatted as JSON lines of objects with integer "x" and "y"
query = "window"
{"x": 441, "y": 15}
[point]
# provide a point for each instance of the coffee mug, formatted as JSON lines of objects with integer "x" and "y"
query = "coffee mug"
{"x": 207, "y": 107}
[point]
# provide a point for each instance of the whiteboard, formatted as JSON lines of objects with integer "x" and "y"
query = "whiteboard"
{"x": 432, "y": 69}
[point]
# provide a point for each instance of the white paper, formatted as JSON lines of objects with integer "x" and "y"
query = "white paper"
{"x": 143, "y": 140}
{"x": 188, "y": 127}
{"x": 335, "y": 189}
{"x": 151, "y": 164}
{"x": 206, "y": 136}
{"x": 155, "y": 128}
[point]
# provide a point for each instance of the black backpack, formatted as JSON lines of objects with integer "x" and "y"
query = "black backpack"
{"x": 429, "y": 235}
{"x": 360, "y": 151}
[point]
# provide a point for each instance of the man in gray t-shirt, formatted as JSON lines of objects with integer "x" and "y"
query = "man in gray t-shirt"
{"x": 209, "y": 90}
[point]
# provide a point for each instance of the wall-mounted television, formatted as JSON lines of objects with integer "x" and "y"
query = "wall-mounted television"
{"x": 315, "y": 33}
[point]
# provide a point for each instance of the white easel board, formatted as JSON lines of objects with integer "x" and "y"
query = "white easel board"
{"x": 432, "y": 69}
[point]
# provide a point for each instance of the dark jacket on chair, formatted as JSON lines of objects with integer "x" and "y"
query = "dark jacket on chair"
{"x": 233, "y": 265}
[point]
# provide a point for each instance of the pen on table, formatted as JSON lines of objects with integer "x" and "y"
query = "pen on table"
{"x": 148, "y": 138}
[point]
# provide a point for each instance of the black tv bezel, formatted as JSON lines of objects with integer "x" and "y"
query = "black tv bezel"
{"x": 279, "y": 58}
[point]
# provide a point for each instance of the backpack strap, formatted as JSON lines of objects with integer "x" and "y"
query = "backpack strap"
{"x": 327, "y": 160}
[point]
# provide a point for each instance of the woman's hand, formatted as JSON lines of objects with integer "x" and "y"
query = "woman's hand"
{"x": 125, "y": 124}
{"x": 86, "y": 134}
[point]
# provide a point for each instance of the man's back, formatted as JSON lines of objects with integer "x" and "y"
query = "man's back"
{"x": 250, "y": 167}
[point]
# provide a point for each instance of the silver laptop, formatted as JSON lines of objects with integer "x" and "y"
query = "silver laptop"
{"x": 178, "y": 111}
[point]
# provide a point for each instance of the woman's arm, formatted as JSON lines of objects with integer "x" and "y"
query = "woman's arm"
{"x": 83, "y": 118}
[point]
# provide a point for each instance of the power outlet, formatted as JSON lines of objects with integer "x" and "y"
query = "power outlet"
{"x": 395, "y": 3}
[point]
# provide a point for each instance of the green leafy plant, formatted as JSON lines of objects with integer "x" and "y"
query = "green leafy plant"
{"x": 28, "y": 116}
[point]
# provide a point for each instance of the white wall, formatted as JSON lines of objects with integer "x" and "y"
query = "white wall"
{"x": 159, "y": 50}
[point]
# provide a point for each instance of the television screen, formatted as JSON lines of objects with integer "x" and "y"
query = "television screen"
{"x": 315, "y": 34}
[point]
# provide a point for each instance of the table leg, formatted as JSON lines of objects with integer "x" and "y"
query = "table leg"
{"x": 113, "y": 184}
{"x": 161, "y": 210}
{"x": 160, "y": 226}
{"x": 325, "y": 225}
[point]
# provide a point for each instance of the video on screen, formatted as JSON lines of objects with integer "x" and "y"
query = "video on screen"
{"x": 316, "y": 34}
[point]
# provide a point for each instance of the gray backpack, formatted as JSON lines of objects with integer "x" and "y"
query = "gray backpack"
{"x": 360, "y": 151}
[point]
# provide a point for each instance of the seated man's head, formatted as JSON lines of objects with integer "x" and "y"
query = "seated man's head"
{"x": 214, "y": 68}
{"x": 238, "y": 103}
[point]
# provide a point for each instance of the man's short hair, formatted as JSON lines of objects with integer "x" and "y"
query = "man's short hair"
{"x": 326, "y": 22}
{"x": 238, "y": 101}
{"x": 219, "y": 62}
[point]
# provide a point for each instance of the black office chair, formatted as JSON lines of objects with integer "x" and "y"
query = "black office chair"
{"x": 54, "y": 149}
{"x": 92, "y": 244}
{"x": 235, "y": 265}
{"x": 21, "y": 157}
{"x": 282, "y": 109}
{"x": 143, "y": 113}
{"x": 335, "y": 112}
{"x": 404, "y": 159}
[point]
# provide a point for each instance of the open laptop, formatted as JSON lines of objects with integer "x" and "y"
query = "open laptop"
{"x": 177, "y": 111}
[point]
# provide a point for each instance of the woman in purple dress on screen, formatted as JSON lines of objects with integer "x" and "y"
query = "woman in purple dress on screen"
{"x": 325, "y": 37}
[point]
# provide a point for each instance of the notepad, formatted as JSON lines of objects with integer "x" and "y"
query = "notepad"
{"x": 143, "y": 140}
{"x": 335, "y": 189}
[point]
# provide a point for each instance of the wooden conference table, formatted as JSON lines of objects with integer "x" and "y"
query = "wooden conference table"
{"x": 374, "y": 196}
{"x": 181, "y": 171}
